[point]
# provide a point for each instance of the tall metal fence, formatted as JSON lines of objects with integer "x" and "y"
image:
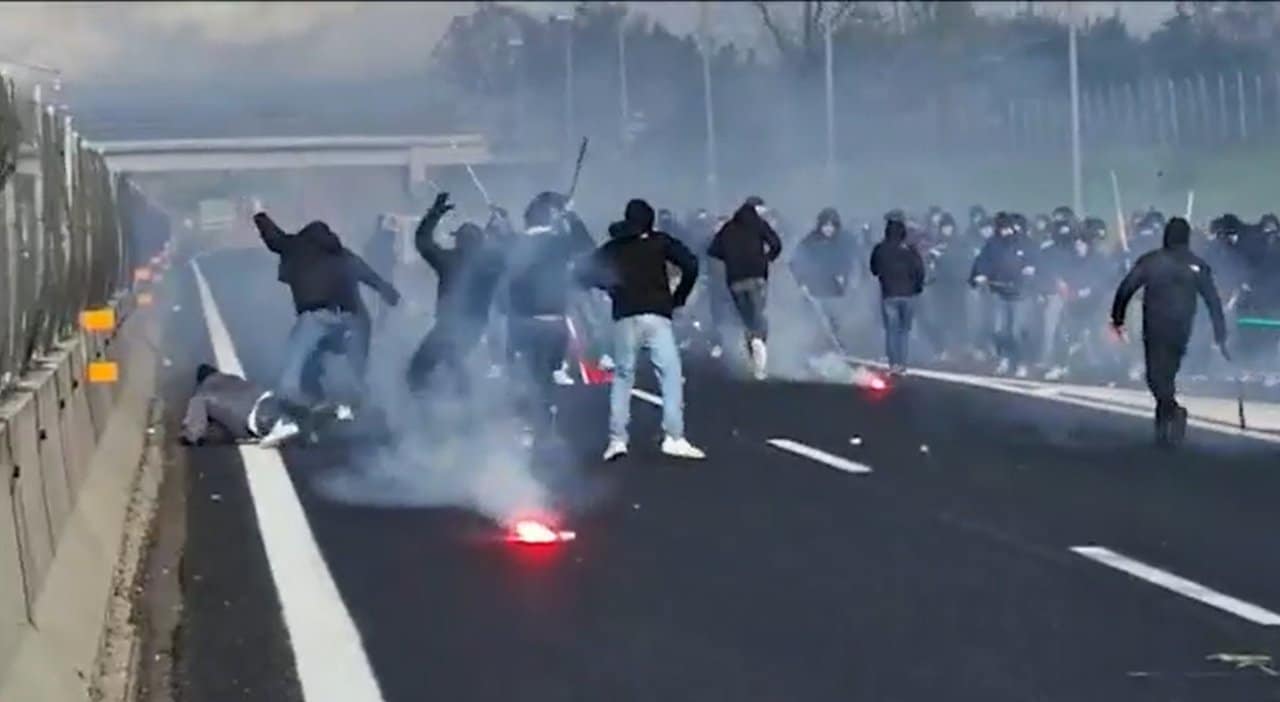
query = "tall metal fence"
{"x": 62, "y": 246}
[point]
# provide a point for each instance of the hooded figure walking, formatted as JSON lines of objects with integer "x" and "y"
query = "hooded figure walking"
{"x": 632, "y": 268}
{"x": 1172, "y": 277}
{"x": 747, "y": 245}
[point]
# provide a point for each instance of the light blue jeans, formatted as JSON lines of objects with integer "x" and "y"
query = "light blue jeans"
{"x": 312, "y": 332}
{"x": 652, "y": 332}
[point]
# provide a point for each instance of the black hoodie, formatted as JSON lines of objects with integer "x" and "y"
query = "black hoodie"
{"x": 746, "y": 244}
{"x": 466, "y": 276}
{"x": 320, "y": 272}
{"x": 821, "y": 263}
{"x": 632, "y": 266}
{"x": 1004, "y": 260}
{"x": 1172, "y": 277}
{"x": 897, "y": 263}
{"x": 537, "y": 262}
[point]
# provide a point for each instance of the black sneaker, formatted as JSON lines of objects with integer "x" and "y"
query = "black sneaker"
{"x": 1162, "y": 432}
{"x": 1178, "y": 426}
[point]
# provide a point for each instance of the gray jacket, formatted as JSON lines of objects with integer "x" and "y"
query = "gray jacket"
{"x": 224, "y": 399}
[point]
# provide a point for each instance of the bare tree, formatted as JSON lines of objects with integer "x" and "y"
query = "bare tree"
{"x": 800, "y": 40}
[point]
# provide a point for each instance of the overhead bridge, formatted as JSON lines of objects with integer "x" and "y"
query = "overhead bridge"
{"x": 416, "y": 153}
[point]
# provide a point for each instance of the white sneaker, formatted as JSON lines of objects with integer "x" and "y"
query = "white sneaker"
{"x": 606, "y": 362}
{"x": 1003, "y": 367}
{"x": 1056, "y": 373}
{"x": 1022, "y": 371}
{"x": 280, "y": 432}
{"x": 760, "y": 357}
{"x": 716, "y": 351}
{"x": 616, "y": 449}
{"x": 561, "y": 376}
{"x": 681, "y": 448}
{"x": 344, "y": 413}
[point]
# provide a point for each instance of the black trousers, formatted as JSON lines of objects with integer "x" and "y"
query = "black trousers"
{"x": 539, "y": 344}
{"x": 446, "y": 344}
{"x": 1164, "y": 357}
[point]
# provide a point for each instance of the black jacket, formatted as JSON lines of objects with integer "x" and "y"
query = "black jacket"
{"x": 537, "y": 264}
{"x": 1003, "y": 260}
{"x": 897, "y": 264}
{"x": 822, "y": 263}
{"x": 632, "y": 268}
{"x": 466, "y": 276}
{"x": 746, "y": 244}
{"x": 320, "y": 272}
{"x": 1172, "y": 276}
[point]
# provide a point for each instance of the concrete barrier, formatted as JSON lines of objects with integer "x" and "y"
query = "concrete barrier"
{"x": 70, "y": 453}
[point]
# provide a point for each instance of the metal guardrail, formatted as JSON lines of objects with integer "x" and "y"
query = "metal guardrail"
{"x": 63, "y": 247}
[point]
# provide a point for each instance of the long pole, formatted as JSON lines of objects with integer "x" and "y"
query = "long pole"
{"x": 712, "y": 187}
{"x": 1077, "y": 197}
{"x": 569, "y": 128}
{"x": 624, "y": 100}
{"x": 831, "y": 111}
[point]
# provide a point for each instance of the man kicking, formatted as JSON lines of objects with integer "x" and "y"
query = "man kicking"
{"x": 632, "y": 268}
{"x": 226, "y": 408}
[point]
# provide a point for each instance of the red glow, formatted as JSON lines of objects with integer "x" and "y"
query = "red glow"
{"x": 532, "y": 531}
{"x": 877, "y": 383}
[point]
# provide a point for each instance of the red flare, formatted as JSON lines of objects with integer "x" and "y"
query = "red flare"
{"x": 532, "y": 531}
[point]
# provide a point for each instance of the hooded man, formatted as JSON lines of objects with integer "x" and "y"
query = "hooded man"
{"x": 1058, "y": 260}
{"x": 747, "y": 245}
{"x": 537, "y": 264}
{"x": 821, "y": 264}
{"x": 1172, "y": 276}
{"x": 947, "y": 271}
{"x": 467, "y": 278}
{"x": 227, "y": 408}
{"x": 900, "y": 269}
{"x": 1006, "y": 267}
{"x": 632, "y": 268}
{"x": 323, "y": 278}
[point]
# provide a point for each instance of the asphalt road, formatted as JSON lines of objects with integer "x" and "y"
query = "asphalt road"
{"x": 944, "y": 572}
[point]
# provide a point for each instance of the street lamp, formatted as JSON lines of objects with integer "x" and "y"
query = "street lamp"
{"x": 831, "y": 110}
{"x": 704, "y": 44}
{"x": 569, "y": 128}
{"x": 1077, "y": 197}
{"x": 624, "y": 100}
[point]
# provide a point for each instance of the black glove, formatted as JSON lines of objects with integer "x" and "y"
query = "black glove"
{"x": 441, "y": 205}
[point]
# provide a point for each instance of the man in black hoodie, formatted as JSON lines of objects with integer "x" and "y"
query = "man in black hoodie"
{"x": 632, "y": 268}
{"x": 323, "y": 277}
{"x": 1007, "y": 267}
{"x": 467, "y": 277}
{"x": 1172, "y": 277}
{"x": 537, "y": 264}
{"x": 821, "y": 264}
{"x": 747, "y": 245}
{"x": 900, "y": 269}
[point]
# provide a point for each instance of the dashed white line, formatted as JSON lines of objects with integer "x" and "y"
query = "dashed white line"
{"x": 1180, "y": 585}
{"x": 330, "y": 659}
{"x": 647, "y": 396}
{"x": 830, "y": 459}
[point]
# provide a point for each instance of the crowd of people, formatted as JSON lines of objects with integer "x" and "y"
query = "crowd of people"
{"x": 1002, "y": 292}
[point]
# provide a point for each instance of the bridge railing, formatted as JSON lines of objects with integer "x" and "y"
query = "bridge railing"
{"x": 63, "y": 248}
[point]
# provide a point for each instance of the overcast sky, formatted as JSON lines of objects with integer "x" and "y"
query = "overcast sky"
{"x": 147, "y": 41}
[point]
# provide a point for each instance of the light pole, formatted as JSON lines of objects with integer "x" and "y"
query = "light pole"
{"x": 569, "y": 127}
{"x": 1077, "y": 197}
{"x": 831, "y": 111}
{"x": 705, "y": 44}
{"x": 624, "y": 100}
{"x": 515, "y": 44}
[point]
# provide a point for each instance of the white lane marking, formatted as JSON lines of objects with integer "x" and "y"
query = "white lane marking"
{"x": 1180, "y": 585}
{"x": 647, "y": 396}
{"x": 330, "y": 659}
{"x": 1053, "y": 393}
{"x": 837, "y": 462}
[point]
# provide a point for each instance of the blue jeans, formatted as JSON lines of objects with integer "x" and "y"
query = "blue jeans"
{"x": 312, "y": 332}
{"x": 652, "y": 332}
{"x": 1012, "y": 328}
{"x": 897, "y": 313}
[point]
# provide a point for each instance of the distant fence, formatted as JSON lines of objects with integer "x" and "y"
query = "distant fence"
{"x": 63, "y": 242}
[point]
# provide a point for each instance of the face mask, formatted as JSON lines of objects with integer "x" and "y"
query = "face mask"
{"x": 829, "y": 229}
{"x": 761, "y": 210}
{"x": 1082, "y": 249}
{"x": 986, "y": 232}
{"x": 947, "y": 229}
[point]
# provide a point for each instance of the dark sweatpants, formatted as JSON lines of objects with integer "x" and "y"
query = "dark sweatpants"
{"x": 540, "y": 343}
{"x": 447, "y": 343}
{"x": 1164, "y": 358}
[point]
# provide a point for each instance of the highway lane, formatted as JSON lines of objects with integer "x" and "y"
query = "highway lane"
{"x": 762, "y": 574}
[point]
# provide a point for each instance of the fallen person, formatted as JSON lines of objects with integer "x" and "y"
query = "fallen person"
{"x": 226, "y": 408}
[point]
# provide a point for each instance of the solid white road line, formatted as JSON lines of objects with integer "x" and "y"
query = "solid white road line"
{"x": 647, "y": 396}
{"x": 331, "y": 662}
{"x": 812, "y": 453}
{"x": 1180, "y": 585}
